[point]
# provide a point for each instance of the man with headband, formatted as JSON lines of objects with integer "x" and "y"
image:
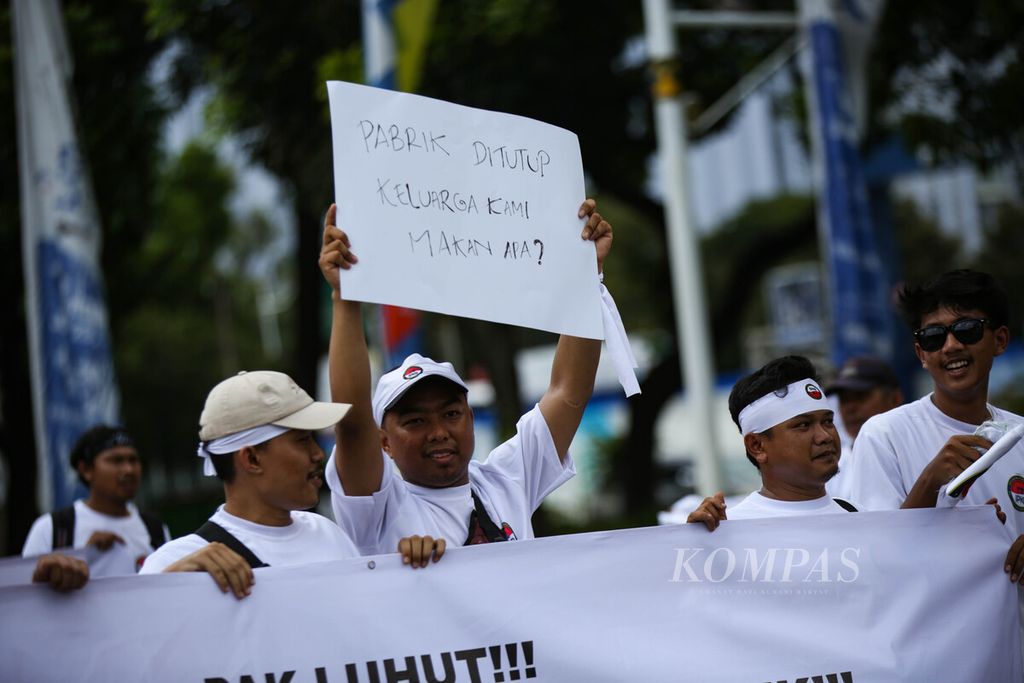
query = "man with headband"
{"x": 419, "y": 418}
{"x": 107, "y": 463}
{"x": 789, "y": 437}
{"x": 257, "y": 433}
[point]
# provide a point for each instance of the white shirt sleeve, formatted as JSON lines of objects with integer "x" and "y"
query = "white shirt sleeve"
{"x": 365, "y": 518}
{"x": 529, "y": 460}
{"x": 171, "y": 552}
{"x": 874, "y": 479}
{"x": 40, "y": 537}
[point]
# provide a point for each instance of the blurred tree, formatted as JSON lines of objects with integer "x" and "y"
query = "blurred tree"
{"x": 1000, "y": 256}
{"x": 949, "y": 78}
{"x": 199, "y": 324}
{"x": 267, "y": 62}
{"x": 924, "y": 249}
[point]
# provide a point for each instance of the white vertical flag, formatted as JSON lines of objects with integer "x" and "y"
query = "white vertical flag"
{"x": 73, "y": 383}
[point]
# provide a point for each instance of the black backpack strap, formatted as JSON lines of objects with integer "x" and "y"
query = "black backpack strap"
{"x": 213, "y": 532}
{"x": 63, "y": 527}
{"x": 155, "y": 528}
{"x": 846, "y": 505}
{"x": 482, "y": 528}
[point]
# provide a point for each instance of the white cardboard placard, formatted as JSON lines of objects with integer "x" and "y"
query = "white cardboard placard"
{"x": 462, "y": 211}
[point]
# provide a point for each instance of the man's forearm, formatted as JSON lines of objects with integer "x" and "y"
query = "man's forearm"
{"x": 358, "y": 458}
{"x": 924, "y": 494}
{"x": 348, "y": 357}
{"x": 574, "y": 368}
{"x": 571, "y": 386}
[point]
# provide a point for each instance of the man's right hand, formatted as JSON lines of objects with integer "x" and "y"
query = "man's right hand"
{"x": 336, "y": 252}
{"x": 104, "y": 540}
{"x": 227, "y": 568}
{"x": 710, "y": 512}
{"x": 956, "y": 456}
{"x": 417, "y": 551}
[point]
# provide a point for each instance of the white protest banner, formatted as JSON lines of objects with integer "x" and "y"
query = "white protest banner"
{"x": 915, "y": 595}
{"x": 117, "y": 560}
{"x": 19, "y": 570}
{"x": 462, "y": 211}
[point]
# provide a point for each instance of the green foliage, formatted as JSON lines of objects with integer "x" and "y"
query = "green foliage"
{"x": 1000, "y": 256}
{"x": 736, "y": 256}
{"x": 925, "y": 250}
{"x": 949, "y": 77}
{"x": 199, "y": 324}
{"x": 175, "y": 261}
{"x": 265, "y": 60}
{"x": 636, "y": 270}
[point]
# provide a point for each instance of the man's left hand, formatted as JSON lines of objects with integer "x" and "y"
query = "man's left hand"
{"x": 597, "y": 230}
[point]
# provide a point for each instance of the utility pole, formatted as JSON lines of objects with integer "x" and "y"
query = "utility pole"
{"x": 692, "y": 328}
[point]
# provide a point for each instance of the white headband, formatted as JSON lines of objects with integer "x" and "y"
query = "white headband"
{"x": 234, "y": 442}
{"x": 803, "y": 396}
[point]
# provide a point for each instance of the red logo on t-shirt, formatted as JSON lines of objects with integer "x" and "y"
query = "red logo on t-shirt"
{"x": 813, "y": 391}
{"x": 412, "y": 371}
{"x": 1015, "y": 489}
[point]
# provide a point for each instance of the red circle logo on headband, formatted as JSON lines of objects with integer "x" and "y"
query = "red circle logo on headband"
{"x": 813, "y": 391}
{"x": 412, "y": 371}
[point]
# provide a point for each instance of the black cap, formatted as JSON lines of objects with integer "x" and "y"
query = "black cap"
{"x": 862, "y": 373}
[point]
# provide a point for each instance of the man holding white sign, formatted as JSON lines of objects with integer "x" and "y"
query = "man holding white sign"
{"x": 419, "y": 417}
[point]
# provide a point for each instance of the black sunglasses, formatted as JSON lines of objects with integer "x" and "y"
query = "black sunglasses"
{"x": 966, "y": 331}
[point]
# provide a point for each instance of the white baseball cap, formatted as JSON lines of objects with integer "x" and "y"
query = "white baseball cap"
{"x": 264, "y": 397}
{"x": 393, "y": 385}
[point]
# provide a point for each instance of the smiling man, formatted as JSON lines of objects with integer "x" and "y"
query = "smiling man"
{"x": 789, "y": 436}
{"x": 107, "y": 463}
{"x": 420, "y": 418}
{"x": 903, "y": 458}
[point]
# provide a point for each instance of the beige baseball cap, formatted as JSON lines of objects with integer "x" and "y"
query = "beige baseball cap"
{"x": 264, "y": 397}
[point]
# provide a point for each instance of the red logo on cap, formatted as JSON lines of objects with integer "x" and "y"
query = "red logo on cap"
{"x": 412, "y": 371}
{"x": 813, "y": 391}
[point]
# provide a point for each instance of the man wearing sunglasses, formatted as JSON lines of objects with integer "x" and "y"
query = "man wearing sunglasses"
{"x": 902, "y": 458}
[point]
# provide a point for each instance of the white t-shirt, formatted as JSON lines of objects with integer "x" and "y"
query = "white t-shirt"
{"x": 511, "y": 483}
{"x": 757, "y": 506}
{"x": 309, "y": 538}
{"x": 88, "y": 521}
{"x": 893, "y": 449}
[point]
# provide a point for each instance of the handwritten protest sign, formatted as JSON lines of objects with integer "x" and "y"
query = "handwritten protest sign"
{"x": 462, "y": 211}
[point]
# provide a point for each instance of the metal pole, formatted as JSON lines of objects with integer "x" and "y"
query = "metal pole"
{"x": 729, "y": 19}
{"x": 692, "y": 331}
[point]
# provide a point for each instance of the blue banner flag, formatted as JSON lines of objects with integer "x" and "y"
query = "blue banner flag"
{"x": 73, "y": 386}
